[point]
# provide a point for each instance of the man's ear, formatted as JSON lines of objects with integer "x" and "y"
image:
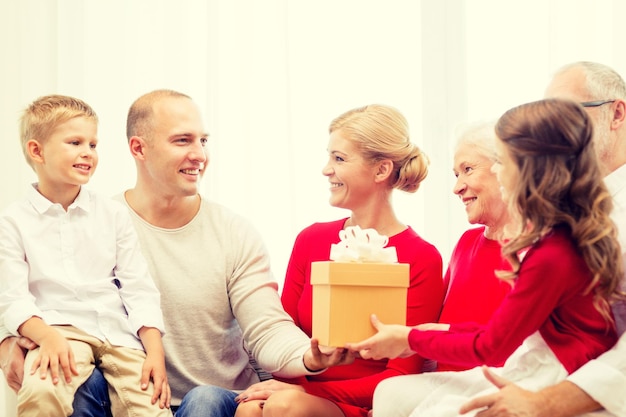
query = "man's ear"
{"x": 619, "y": 115}
{"x": 137, "y": 146}
{"x": 34, "y": 150}
{"x": 384, "y": 170}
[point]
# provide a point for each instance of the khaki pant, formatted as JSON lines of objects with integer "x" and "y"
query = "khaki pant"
{"x": 121, "y": 366}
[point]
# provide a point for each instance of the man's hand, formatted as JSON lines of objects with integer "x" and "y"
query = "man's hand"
{"x": 564, "y": 399}
{"x": 319, "y": 358}
{"x": 12, "y": 352}
{"x": 509, "y": 401}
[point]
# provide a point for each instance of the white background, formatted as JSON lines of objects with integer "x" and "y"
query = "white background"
{"x": 270, "y": 75}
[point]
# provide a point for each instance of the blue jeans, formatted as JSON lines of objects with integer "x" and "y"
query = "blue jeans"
{"x": 208, "y": 401}
{"x": 92, "y": 398}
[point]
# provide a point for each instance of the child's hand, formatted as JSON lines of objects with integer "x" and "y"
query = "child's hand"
{"x": 54, "y": 350}
{"x": 154, "y": 368}
{"x": 433, "y": 326}
{"x": 390, "y": 341}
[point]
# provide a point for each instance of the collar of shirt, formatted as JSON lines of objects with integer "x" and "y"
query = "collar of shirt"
{"x": 42, "y": 204}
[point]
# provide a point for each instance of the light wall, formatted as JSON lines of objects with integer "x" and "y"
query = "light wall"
{"x": 270, "y": 75}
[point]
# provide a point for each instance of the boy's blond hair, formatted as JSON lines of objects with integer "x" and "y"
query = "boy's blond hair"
{"x": 43, "y": 115}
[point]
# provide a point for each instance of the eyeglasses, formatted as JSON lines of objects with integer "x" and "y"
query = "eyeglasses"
{"x": 595, "y": 103}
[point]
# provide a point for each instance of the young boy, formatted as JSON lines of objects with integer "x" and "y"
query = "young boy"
{"x": 72, "y": 277}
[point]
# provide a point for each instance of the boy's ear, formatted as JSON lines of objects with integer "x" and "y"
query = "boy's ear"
{"x": 384, "y": 170}
{"x": 34, "y": 150}
{"x": 136, "y": 145}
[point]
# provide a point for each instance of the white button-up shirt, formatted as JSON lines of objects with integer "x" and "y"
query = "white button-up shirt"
{"x": 81, "y": 267}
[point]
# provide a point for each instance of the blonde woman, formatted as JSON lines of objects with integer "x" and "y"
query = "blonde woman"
{"x": 369, "y": 155}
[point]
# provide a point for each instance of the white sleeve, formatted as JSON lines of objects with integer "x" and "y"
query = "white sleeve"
{"x": 603, "y": 377}
{"x": 272, "y": 337}
{"x": 138, "y": 291}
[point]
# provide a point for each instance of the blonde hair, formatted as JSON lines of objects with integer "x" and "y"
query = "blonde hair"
{"x": 381, "y": 132}
{"x": 560, "y": 184}
{"x": 43, "y": 115}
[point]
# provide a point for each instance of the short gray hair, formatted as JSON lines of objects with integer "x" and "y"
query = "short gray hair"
{"x": 480, "y": 135}
{"x": 602, "y": 82}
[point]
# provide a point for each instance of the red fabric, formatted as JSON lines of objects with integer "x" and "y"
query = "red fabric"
{"x": 473, "y": 290}
{"x": 548, "y": 297}
{"x": 351, "y": 387}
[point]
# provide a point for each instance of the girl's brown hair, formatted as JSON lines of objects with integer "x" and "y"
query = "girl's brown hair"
{"x": 560, "y": 184}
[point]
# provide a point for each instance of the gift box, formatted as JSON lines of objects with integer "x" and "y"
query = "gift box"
{"x": 346, "y": 294}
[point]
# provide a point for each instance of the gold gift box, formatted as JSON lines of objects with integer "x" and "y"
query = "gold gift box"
{"x": 346, "y": 294}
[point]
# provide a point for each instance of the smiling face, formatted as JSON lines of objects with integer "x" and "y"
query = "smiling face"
{"x": 66, "y": 159}
{"x": 175, "y": 156}
{"x": 506, "y": 170}
{"x": 477, "y": 187}
{"x": 351, "y": 177}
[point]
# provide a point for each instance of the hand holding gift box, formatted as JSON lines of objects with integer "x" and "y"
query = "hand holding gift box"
{"x": 362, "y": 278}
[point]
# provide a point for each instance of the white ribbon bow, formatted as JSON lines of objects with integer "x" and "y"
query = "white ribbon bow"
{"x": 362, "y": 245}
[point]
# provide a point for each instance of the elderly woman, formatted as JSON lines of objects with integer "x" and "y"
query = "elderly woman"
{"x": 473, "y": 292}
